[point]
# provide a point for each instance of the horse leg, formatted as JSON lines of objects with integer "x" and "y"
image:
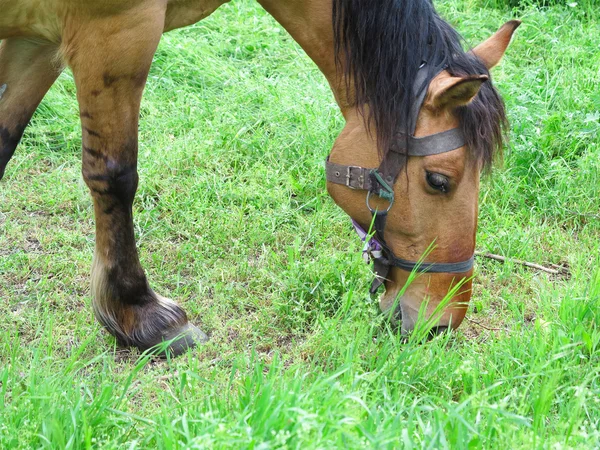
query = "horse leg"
{"x": 110, "y": 58}
{"x": 27, "y": 70}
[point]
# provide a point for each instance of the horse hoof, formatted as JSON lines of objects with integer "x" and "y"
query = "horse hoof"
{"x": 183, "y": 339}
{"x": 147, "y": 325}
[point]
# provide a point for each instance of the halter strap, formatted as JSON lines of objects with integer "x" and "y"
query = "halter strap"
{"x": 356, "y": 177}
{"x": 380, "y": 181}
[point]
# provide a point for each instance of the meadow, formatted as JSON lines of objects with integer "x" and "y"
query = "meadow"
{"x": 233, "y": 221}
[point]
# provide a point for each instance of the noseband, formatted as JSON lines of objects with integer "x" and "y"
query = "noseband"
{"x": 380, "y": 182}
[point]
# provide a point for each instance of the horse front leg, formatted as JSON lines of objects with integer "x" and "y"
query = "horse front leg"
{"x": 27, "y": 70}
{"x": 110, "y": 58}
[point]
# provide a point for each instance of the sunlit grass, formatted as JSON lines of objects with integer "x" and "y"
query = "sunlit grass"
{"x": 233, "y": 221}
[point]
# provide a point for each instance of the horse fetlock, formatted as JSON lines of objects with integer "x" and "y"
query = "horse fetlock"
{"x": 144, "y": 321}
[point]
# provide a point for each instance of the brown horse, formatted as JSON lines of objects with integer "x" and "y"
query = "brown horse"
{"x": 413, "y": 100}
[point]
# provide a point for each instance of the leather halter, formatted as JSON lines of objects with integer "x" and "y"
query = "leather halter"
{"x": 380, "y": 181}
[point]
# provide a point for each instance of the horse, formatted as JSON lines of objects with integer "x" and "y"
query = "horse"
{"x": 422, "y": 121}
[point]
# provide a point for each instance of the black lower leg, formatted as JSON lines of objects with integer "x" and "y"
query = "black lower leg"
{"x": 27, "y": 70}
{"x": 9, "y": 139}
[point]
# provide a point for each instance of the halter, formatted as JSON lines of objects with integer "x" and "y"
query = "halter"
{"x": 380, "y": 182}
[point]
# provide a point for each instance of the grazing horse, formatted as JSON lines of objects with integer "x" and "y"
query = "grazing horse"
{"x": 422, "y": 121}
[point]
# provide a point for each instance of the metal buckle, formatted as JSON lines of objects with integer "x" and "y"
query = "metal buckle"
{"x": 361, "y": 177}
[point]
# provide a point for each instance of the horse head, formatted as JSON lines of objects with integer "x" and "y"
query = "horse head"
{"x": 419, "y": 198}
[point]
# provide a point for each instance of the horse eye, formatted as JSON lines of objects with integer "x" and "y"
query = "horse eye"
{"x": 438, "y": 181}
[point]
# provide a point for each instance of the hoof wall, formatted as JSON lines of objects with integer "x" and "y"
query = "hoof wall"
{"x": 183, "y": 339}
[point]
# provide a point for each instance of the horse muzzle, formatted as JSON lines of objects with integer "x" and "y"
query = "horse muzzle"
{"x": 419, "y": 302}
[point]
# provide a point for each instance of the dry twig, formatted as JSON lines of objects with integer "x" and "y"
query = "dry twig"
{"x": 559, "y": 270}
{"x": 485, "y": 326}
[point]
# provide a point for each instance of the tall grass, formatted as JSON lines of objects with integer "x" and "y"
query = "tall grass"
{"x": 233, "y": 221}
{"x": 587, "y": 5}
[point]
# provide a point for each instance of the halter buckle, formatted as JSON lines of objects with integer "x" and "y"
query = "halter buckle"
{"x": 360, "y": 178}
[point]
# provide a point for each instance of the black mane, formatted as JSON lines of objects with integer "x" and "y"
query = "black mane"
{"x": 380, "y": 46}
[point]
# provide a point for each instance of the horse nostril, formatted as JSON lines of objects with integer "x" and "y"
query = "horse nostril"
{"x": 436, "y": 331}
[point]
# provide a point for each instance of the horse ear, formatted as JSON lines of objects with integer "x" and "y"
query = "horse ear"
{"x": 492, "y": 50}
{"x": 451, "y": 92}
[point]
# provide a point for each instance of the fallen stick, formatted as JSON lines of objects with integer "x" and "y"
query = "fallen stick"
{"x": 577, "y": 213}
{"x": 560, "y": 271}
{"x": 486, "y": 327}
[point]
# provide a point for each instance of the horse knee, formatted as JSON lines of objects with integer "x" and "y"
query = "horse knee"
{"x": 111, "y": 178}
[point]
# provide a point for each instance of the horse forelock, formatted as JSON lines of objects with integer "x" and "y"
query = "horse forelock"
{"x": 379, "y": 48}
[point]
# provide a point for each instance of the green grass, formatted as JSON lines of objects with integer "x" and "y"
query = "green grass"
{"x": 588, "y": 5}
{"x": 233, "y": 221}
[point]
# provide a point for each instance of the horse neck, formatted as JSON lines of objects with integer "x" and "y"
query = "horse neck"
{"x": 309, "y": 22}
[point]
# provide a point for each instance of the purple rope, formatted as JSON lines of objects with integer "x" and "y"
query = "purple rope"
{"x": 372, "y": 248}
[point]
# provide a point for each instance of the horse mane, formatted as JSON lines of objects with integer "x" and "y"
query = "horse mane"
{"x": 379, "y": 47}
